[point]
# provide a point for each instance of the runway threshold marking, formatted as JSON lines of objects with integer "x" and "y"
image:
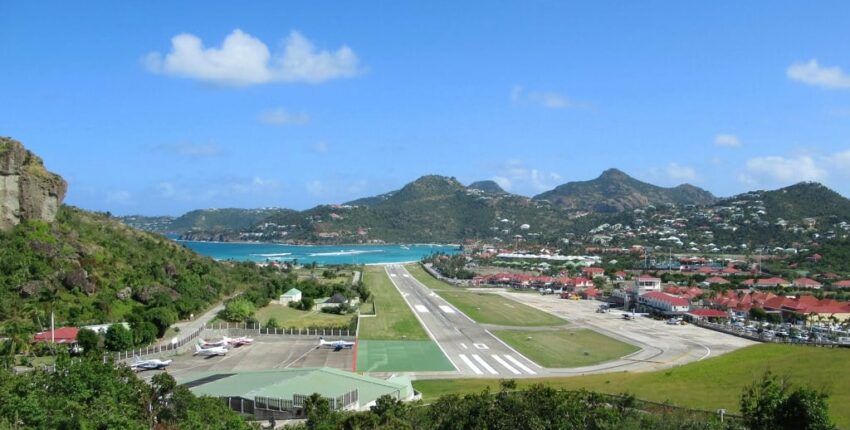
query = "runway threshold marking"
{"x": 447, "y": 309}
{"x": 463, "y": 345}
{"x": 420, "y": 308}
{"x": 470, "y": 364}
{"x": 520, "y": 365}
{"x": 505, "y": 364}
{"x": 484, "y": 364}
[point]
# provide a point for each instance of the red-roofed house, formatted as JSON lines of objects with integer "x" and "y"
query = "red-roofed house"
{"x": 715, "y": 280}
{"x": 842, "y": 284}
{"x": 806, "y": 283}
{"x": 771, "y": 282}
{"x": 61, "y": 335}
{"x": 592, "y": 272}
{"x": 706, "y": 314}
{"x": 666, "y": 304}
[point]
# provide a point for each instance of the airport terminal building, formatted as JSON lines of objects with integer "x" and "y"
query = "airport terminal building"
{"x": 260, "y": 395}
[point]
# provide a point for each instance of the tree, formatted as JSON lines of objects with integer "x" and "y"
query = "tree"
{"x": 318, "y": 410}
{"x": 144, "y": 332}
{"x": 88, "y": 340}
{"x": 770, "y": 403}
{"x": 238, "y": 310}
{"x": 118, "y": 338}
{"x": 272, "y": 323}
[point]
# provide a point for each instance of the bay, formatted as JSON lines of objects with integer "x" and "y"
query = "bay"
{"x": 320, "y": 254}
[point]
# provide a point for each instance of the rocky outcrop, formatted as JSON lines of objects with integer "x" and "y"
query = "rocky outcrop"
{"x": 27, "y": 190}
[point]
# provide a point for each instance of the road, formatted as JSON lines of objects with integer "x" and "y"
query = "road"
{"x": 472, "y": 349}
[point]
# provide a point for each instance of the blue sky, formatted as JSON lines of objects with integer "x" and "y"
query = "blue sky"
{"x": 163, "y": 107}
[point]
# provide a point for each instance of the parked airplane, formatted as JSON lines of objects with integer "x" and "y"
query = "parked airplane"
{"x": 152, "y": 364}
{"x": 239, "y": 341}
{"x": 209, "y": 351}
{"x": 335, "y": 344}
{"x": 207, "y": 344}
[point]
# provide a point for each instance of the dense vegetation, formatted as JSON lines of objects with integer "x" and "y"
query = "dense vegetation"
{"x": 451, "y": 266}
{"x": 90, "y": 268}
{"x": 768, "y": 404}
{"x": 226, "y": 219}
{"x": 90, "y": 394}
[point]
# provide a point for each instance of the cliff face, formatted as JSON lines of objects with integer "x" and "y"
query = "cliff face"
{"x": 27, "y": 189}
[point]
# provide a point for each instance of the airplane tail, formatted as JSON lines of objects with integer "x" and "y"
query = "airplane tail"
{"x": 197, "y": 347}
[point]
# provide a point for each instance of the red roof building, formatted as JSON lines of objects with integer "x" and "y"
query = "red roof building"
{"x": 716, "y": 280}
{"x": 62, "y": 335}
{"x": 842, "y": 284}
{"x": 806, "y": 283}
{"x": 663, "y": 303}
{"x": 707, "y": 313}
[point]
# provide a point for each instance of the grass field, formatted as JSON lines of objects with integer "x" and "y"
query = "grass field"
{"x": 710, "y": 384}
{"x": 565, "y": 348}
{"x": 289, "y": 317}
{"x": 431, "y": 282}
{"x": 488, "y": 308}
{"x": 394, "y": 320}
{"x": 400, "y": 356}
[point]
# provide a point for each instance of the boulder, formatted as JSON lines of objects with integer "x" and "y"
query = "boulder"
{"x": 27, "y": 190}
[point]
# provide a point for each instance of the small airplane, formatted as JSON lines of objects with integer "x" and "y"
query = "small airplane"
{"x": 209, "y": 351}
{"x": 335, "y": 344}
{"x": 208, "y": 344}
{"x": 152, "y": 364}
{"x": 239, "y": 341}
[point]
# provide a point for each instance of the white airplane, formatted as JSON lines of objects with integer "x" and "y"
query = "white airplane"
{"x": 152, "y": 364}
{"x": 209, "y": 351}
{"x": 239, "y": 341}
{"x": 335, "y": 344}
{"x": 209, "y": 344}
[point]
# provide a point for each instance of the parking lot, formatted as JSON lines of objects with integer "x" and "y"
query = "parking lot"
{"x": 266, "y": 352}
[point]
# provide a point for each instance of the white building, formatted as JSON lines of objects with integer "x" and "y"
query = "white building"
{"x": 293, "y": 295}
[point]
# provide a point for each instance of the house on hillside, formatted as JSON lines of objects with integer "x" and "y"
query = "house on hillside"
{"x": 806, "y": 283}
{"x": 60, "y": 335}
{"x": 293, "y": 295}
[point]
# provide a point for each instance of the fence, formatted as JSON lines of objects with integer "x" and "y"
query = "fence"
{"x": 234, "y": 330}
{"x": 173, "y": 347}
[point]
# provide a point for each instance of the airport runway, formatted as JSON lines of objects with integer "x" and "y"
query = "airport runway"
{"x": 472, "y": 349}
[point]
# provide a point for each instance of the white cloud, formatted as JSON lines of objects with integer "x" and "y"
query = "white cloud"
{"x": 513, "y": 174}
{"x": 282, "y": 117}
{"x": 244, "y": 60}
{"x": 191, "y": 150}
{"x": 812, "y": 73}
{"x": 215, "y": 189}
{"x": 681, "y": 173}
{"x": 727, "y": 140}
{"x": 840, "y": 160}
{"x": 547, "y": 99}
{"x": 777, "y": 169}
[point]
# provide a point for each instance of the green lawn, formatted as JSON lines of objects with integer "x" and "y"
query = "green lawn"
{"x": 424, "y": 277}
{"x": 394, "y": 320}
{"x": 487, "y": 308}
{"x": 400, "y": 356}
{"x": 292, "y": 318}
{"x": 565, "y": 348}
{"x": 709, "y": 384}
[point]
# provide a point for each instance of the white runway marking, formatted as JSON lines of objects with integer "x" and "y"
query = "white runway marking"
{"x": 520, "y": 365}
{"x": 484, "y": 364}
{"x": 447, "y": 309}
{"x": 464, "y": 346}
{"x": 481, "y": 345}
{"x": 406, "y": 275}
{"x": 420, "y": 308}
{"x": 506, "y": 365}
{"x": 471, "y": 366}
{"x": 393, "y": 275}
{"x": 433, "y": 294}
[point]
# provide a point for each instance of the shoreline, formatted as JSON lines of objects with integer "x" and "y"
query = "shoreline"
{"x": 249, "y": 242}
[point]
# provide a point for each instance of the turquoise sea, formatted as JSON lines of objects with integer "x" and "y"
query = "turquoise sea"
{"x": 321, "y": 254}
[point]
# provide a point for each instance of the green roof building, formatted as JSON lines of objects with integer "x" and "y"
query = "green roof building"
{"x": 281, "y": 393}
{"x": 293, "y": 295}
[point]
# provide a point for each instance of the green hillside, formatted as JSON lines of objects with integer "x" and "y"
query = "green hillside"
{"x": 91, "y": 268}
{"x": 615, "y": 191}
{"x": 430, "y": 209}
